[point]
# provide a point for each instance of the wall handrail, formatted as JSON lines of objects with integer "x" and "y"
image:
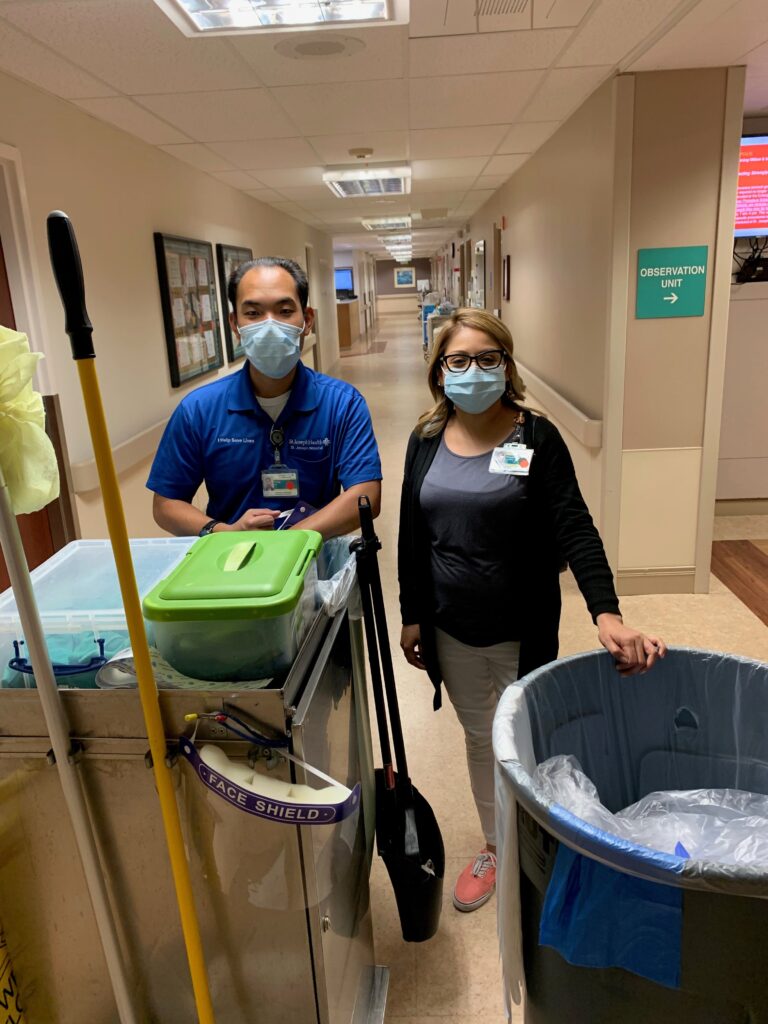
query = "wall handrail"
{"x": 586, "y": 430}
{"x": 127, "y": 454}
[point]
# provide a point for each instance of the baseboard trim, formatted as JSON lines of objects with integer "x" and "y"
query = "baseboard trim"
{"x": 741, "y": 507}
{"x": 657, "y": 580}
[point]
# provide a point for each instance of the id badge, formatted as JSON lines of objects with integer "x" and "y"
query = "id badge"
{"x": 512, "y": 460}
{"x": 279, "y": 482}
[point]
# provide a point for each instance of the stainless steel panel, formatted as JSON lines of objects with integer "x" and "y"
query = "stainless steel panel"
{"x": 337, "y": 864}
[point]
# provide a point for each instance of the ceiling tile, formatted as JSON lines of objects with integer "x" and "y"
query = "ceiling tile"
{"x": 125, "y": 114}
{"x": 267, "y": 153}
{"x": 234, "y": 115}
{"x": 614, "y": 29}
{"x": 559, "y": 13}
{"x": 505, "y": 164}
{"x": 713, "y": 34}
{"x": 293, "y": 177}
{"x": 238, "y": 179}
{"x": 563, "y": 91}
{"x": 28, "y": 59}
{"x": 527, "y": 137}
{"x": 434, "y": 143}
{"x": 382, "y": 56}
{"x": 442, "y": 17}
{"x": 131, "y": 45}
{"x": 264, "y": 195}
{"x": 334, "y": 149}
{"x": 493, "y": 181}
{"x": 198, "y": 156}
{"x": 471, "y": 99}
{"x": 503, "y": 51}
{"x": 301, "y": 193}
{"x": 338, "y": 108}
{"x": 448, "y": 168}
{"x": 422, "y": 185}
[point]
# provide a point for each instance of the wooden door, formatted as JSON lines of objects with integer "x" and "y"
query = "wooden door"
{"x": 47, "y": 531}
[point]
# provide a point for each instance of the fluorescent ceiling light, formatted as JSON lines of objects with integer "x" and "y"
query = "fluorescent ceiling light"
{"x": 395, "y": 239}
{"x": 348, "y": 182}
{"x": 252, "y": 15}
{"x": 387, "y": 224}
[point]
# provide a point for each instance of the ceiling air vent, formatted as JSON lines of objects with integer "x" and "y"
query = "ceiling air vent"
{"x": 438, "y": 214}
{"x": 349, "y": 182}
{"x": 494, "y": 8}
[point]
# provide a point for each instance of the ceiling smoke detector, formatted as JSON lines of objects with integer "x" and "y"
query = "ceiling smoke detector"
{"x": 349, "y": 182}
{"x": 361, "y": 153}
{"x": 319, "y": 46}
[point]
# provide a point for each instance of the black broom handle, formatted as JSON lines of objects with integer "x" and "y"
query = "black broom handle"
{"x": 379, "y": 611}
{"x": 363, "y": 566}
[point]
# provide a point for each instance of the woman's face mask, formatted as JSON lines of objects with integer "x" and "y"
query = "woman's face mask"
{"x": 475, "y": 390}
{"x": 273, "y": 347}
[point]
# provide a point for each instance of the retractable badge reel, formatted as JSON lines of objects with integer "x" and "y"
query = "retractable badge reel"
{"x": 513, "y": 458}
{"x": 279, "y": 481}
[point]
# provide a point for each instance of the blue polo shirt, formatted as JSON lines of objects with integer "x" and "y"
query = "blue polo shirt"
{"x": 219, "y": 435}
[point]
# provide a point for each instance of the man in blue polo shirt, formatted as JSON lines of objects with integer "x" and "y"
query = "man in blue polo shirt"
{"x": 273, "y": 435}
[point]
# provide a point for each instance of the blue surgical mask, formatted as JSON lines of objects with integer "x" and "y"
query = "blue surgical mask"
{"x": 273, "y": 347}
{"x": 475, "y": 390}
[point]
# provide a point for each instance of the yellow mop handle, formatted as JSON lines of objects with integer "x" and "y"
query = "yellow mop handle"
{"x": 67, "y": 269}
{"x": 118, "y": 533}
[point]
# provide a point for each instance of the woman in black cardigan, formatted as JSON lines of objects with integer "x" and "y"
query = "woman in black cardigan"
{"x": 484, "y": 532}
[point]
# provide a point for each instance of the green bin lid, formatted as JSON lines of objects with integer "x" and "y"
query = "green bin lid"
{"x": 236, "y": 575}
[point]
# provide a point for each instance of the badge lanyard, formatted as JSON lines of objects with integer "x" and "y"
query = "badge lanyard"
{"x": 513, "y": 458}
{"x": 279, "y": 481}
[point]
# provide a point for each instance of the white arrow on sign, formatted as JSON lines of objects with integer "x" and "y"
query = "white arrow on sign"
{"x": 671, "y": 298}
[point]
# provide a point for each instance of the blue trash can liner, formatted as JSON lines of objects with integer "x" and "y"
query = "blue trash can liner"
{"x": 692, "y": 932}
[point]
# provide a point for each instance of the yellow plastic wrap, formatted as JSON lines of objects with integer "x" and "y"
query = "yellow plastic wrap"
{"x": 27, "y": 458}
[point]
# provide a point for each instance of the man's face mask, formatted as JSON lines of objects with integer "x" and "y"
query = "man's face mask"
{"x": 273, "y": 347}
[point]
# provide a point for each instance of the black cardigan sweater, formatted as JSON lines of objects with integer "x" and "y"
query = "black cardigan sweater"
{"x": 558, "y": 528}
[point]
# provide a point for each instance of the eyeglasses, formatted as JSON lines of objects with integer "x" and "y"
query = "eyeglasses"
{"x": 459, "y": 362}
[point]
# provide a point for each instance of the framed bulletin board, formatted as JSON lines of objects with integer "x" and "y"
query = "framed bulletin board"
{"x": 229, "y": 258}
{"x": 187, "y": 278}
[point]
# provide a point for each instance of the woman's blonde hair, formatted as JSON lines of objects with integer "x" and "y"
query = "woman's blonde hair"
{"x": 433, "y": 421}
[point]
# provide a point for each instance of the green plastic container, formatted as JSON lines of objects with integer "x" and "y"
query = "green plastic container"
{"x": 238, "y": 605}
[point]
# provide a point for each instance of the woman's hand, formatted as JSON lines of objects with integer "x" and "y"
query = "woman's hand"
{"x": 633, "y": 652}
{"x": 410, "y": 641}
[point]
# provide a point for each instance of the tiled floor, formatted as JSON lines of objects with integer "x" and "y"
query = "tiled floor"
{"x": 455, "y": 977}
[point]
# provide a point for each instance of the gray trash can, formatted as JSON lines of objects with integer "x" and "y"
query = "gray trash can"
{"x": 650, "y": 936}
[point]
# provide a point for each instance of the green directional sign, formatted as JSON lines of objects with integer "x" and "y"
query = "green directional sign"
{"x": 671, "y": 282}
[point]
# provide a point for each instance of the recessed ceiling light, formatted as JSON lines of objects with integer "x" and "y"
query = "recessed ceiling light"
{"x": 395, "y": 239}
{"x": 387, "y": 224}
{"x": 349, "y": 182}
{"x": 254, "y": 15}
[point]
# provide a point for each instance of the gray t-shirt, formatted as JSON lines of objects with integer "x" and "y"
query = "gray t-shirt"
{"x": 476, "y": 522}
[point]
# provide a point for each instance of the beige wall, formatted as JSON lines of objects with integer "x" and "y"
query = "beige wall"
{"x": 648, "y": 161}
{"x": 558, "y": 209}
{"x": 743, "y": 465}
{"x": 118, "y": 191}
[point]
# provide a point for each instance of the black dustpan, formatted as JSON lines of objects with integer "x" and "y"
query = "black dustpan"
{"x": 407, "y": 834}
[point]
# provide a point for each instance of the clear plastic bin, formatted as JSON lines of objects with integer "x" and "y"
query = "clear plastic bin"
{"x": 81, "y": 608}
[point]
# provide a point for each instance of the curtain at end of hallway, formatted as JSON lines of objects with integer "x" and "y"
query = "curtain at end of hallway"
{"x": 27, "y": 458}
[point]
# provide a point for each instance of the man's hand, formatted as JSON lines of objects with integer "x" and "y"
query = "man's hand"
{"x": 633, "y": 652}
{"x": 254, "y": 519}
{"x": 410, "y": 641}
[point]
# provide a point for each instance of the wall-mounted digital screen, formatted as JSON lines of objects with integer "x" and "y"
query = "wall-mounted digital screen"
{"x": 752, "y": 196}
{"x": 344, "y": 279}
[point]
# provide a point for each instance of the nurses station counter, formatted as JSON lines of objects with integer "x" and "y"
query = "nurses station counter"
{"x": 284, "y": 909}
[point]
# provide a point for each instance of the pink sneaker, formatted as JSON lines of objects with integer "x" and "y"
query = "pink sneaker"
{"x": 476, "y": 883}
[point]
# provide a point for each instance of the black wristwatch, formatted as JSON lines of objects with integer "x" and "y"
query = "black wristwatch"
{"x": 208, "y": 528}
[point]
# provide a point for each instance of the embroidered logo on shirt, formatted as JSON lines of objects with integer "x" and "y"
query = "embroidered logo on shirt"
{"x": 235, "y": 440}
{"x": 309, "y": 444}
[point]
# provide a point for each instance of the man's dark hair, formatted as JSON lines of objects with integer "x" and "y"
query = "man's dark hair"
{"x": 297, "y": 273}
